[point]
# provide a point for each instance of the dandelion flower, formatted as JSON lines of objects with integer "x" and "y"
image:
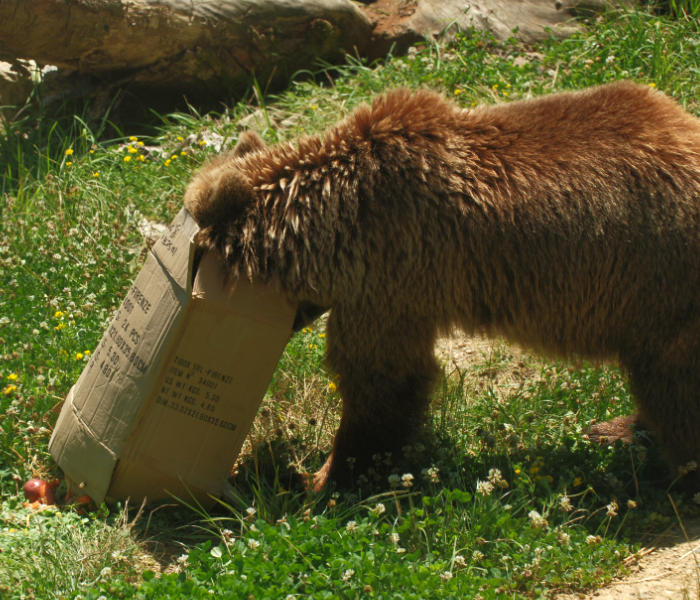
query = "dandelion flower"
{"x": 13, "y": 377}
{"x": 133, "y": 138}
{"x": 179, "y": 138}
{"x": 127, "y": 158}
{"x": 69, "y": 152}
{"x": 141, "y": 157}
{"x": 332, "y": 387}
{"x": 69, "y": 163}
{"x": 458, "y": 91}
{"x": 132, "y": 150}
{"x": 87, "y": 352}
{"x": 167, "y": 162}
{"x": 183, "y": 153}
{"x": 96, "y": 174}
{"x": 79, "y": 356}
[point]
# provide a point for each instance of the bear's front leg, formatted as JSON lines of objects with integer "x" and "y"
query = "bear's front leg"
{"x": 386, "y": 377}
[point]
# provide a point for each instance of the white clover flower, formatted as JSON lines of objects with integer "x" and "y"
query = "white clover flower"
{"x": 477, "y": 556}
{"x": 446, "y": 576}
{"x": 400, "y": 550}
{"x": 459, "y": 561}
{"x": 395, "y": 538}
{"x": 379, "y": 509}
{"x": 495, "y": 478}
{"x": 347, "y": 575}
{"x": 407, "y": 480}
{"x": 565, "y": 503}
{"x": 484, "y": 488}
{"x": 250, "y": 511}
{"x": 253, "y": 544}
{"x": 563, "y": 538}
{"x": 432, "y": 474}
{"x": 612, "y": 509}
{"x": 182, "y": 559}
{"x": 593, "y": 539}
{"x": 351, "y": 526}
{"x": 536, "y": 519}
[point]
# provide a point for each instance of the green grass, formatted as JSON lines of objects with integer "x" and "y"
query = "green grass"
{"x": 73, "y": 207}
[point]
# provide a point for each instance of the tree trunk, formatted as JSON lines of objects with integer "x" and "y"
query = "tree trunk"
{"x": 199, "y": 47}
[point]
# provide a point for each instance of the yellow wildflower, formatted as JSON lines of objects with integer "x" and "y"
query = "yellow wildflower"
{"x": 458, "y": 91}
{"x": 69, "y": 152}
{"x": 173, "y": 157}
{"x": 131, "y": 150}
{"x": 79, "y": 356}
{"x": 12, "y": 376}
{"x": 59, "y": 314}
{"x": 9, "y": 389}
{"x": 202, "y": 142}
{"x": 332, "y": 387}
{"x": 578, "y": 481}
{"x": 69, "y": 163}
{"x": 96, "y": 174}
{"x": 183, "y": 153}
{"x": 141, "y": 157}
{"x": 167, "y": 162}
{"x": 133, "y": 138}
{"x": 140, "y": 143}
{"x": 652, "y": 85}
{"x": 60, "y": 326}
{"x": 86, "y": 352}
{"x": 127, "y": 158}
{"x": 180, "y": 138}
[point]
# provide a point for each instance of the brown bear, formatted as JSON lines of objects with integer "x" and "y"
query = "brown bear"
{"x": 568, "y": 223}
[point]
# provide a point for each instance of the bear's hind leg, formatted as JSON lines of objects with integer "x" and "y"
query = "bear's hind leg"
{"x": 668, "y": 399}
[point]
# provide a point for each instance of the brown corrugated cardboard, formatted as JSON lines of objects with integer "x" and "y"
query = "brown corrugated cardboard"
{"x": 170, "y": 393}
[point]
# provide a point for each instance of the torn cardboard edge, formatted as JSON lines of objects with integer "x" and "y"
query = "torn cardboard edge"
{"x": 165, "y": 402}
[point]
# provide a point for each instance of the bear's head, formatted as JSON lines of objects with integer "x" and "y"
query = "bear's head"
{"x": 219, "y": 194}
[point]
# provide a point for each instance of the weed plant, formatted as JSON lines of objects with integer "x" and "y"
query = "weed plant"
{"x": 503, "y": 497}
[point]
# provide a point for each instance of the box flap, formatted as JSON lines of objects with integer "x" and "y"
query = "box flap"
{"x": 124, "y": 367}
{"x": 211, "y": 388}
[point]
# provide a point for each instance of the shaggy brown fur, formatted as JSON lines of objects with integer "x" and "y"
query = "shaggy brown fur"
{"x": 570, "y": 223}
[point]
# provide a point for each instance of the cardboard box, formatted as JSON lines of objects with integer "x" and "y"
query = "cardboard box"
{"x": 167, "y": 398}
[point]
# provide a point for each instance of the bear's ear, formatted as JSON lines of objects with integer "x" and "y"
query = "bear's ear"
{"x": 249, "y": 141}
{"x": 219, "y": 197}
